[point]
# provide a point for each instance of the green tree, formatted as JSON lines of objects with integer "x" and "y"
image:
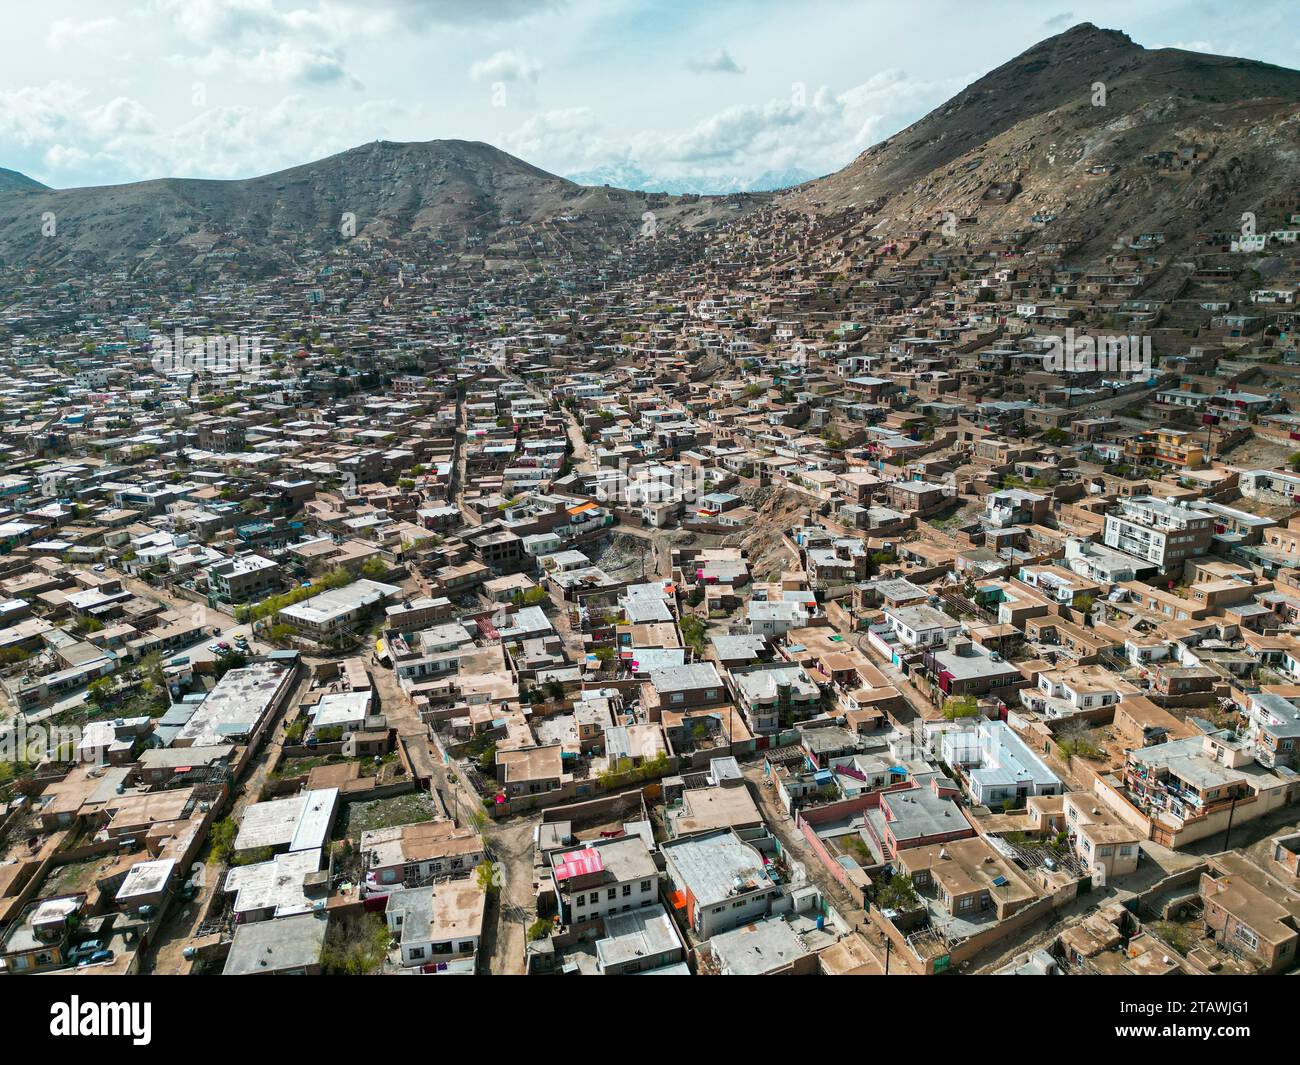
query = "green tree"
{"x": 898, "y": 893}
{"x": 488, "y": 876}
{"x": 100, "y": 691}
{"x": 961, "y": 706}
{"x": 222, "y": 840}
{"x": 693, "y": 633}
{"x": 356, "y": 946}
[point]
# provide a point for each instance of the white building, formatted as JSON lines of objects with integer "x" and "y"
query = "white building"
{"x": 998, "y": 765}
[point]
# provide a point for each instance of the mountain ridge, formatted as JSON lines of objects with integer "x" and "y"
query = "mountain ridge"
{"x": 1028, "y": 127}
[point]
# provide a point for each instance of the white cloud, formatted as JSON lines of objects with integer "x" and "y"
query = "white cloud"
{"x": 121, "y": 137}
{"x": 421, "y": 14}
{"x": 35, "y": 114}
{"x": 287, "y": 63}
{"x": 813, "y": 130}
{"x": 62, "y": 157}
{"x": 238, "y": 141}
{"x": 65, "y": 30}
{"x": 118, "y": 117}
{"x": 719, "y": 62}
{"x": 506, "y": 66}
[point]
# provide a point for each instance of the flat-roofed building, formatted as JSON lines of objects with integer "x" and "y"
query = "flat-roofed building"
{"x": 239, "y": 706}
{"x": 718, "y": 881}
{"x": 298, "y": 823}
{"x": 439, "y": 926}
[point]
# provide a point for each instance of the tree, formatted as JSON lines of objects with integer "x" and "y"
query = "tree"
{"x": 227, "y": 662}
{"x": 961, "y": 706}
{"x": 899, "y": 893}
{"x": 693, "y": 630}
{"x": 356, "y": 946}
{"x": 1080, "y": 747}
{"x": 222, "y": 840}
{"x": 488, "y": 876}
{"x": 880, "y": 558}
{"x": 100, "y": 691}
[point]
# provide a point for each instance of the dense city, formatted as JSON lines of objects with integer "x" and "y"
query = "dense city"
{"x": 766, "y": 583}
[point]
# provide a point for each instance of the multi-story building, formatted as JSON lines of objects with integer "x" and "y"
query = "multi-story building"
{"x": 999, "y": 766}
{"x": 1160, "y": 532}
{"x": 243, "y": 578}
{"x": 719, "y": 881}
{"x": 604, "y": 877}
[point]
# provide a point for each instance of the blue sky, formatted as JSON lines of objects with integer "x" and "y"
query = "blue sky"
{"x": 92, "y": 93}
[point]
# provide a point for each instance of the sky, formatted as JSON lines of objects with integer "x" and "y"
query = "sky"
{"x": 718, "y": 93}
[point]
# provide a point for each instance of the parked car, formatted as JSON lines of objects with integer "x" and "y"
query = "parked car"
{"x": 85, "y": 950}
{"x": 96, "y": 958}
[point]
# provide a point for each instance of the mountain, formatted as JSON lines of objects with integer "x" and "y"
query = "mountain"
{"x": 11, "y": 179}
{"x": 1182, "y": 143}
{"x": 455, "y": 196}
{"x": 1179, "y": 142}
{"x": 630, "y": 176}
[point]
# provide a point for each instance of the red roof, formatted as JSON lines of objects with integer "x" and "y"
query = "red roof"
{"x": 579, "y": 863}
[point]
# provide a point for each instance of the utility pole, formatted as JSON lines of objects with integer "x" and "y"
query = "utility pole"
{"x": 1227, "y": 832}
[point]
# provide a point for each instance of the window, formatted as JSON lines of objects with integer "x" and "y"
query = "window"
{"x": 612, "y": 893}
{"x": 417, "y": 952}
{"x": 1247, "y": 936}
{"x": 627, "y": 890}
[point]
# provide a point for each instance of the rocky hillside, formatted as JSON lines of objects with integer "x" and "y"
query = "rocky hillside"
{"x": 11, "y": 179}
{"x": 455, "y": 195}
{"x": 1179, "y": 142}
